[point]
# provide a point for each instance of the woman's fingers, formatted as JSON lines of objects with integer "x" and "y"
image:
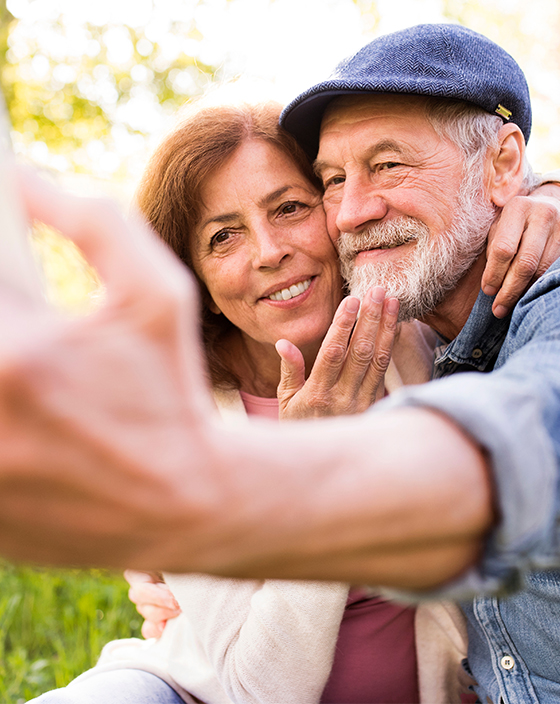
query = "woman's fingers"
{"x": 154, "y": 601}
{"x": 152, "y": 630}
{"x": 153, "y": 598}
{"x": 332, "y": 355}
{"x": 156, "y": 614}
{"x": 362, "y": 346}
{"x": 158, "y": 595}
{"x": 372, "y": 387}
{"x": 369, "y": 351}
{"x": 136, "y": 577}
{"x": 504, "y": 239}
{"x": 292, "y": 372}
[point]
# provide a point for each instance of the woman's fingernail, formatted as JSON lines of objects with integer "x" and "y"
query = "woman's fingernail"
{"x": 392, "y": 306}
{"x": 352, "y": 304}
{"x": 377, "y": 294}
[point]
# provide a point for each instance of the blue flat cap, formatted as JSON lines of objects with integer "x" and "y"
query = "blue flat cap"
{"x": 440, "y": 60}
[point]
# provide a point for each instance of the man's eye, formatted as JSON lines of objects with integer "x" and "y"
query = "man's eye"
{"x": 334, "y": 181}
{"x": 388, "y": 165}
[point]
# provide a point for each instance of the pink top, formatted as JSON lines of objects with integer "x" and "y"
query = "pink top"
{"x": 258, "y": 406}
{"x": 375, "y": 657}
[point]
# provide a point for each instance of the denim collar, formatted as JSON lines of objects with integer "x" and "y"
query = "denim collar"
{"x": 477, "y": 346}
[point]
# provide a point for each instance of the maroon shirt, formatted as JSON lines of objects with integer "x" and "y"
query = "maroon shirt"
{"x": 375, "y": 658}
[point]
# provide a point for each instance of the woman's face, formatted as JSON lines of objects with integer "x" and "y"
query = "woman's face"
{"x": 263, "y": 251}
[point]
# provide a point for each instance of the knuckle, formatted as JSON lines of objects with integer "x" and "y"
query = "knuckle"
{"x": 390, "y": 326}
{"x": 502, "y": 251}
{"x": 546, "y": 211}
{"x": 361, "y": 405}
{"x": 362, "y": 352}
{"x": 334, "y": 354}
{"x": 527, "y": 264}
{"x": 381, "y": 360}
{"x": 372, "y": 315}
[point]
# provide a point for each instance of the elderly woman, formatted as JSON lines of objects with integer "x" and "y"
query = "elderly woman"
{"x": 237, "y": 200}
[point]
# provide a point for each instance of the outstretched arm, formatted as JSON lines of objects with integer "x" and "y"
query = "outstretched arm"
{"x": 112, "y": 453}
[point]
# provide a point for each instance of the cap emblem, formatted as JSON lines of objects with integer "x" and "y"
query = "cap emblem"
{"x": 503, "y": 112}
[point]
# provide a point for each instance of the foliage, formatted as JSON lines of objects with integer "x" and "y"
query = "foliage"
{"x": 53, "y": 624}
{"x": 529, "y": 32}
{"x": 71, "y": 284}
{"x": 84, "y": 97}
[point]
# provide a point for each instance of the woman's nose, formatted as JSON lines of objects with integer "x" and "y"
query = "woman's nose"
{"x": 271, "y": 248}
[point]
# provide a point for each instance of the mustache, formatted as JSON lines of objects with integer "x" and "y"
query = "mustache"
{"x": 383, "y": 235}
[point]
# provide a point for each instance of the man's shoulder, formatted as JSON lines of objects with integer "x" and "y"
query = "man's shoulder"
{"x": 543, "y": 295}
{"x": 537, "y": 314}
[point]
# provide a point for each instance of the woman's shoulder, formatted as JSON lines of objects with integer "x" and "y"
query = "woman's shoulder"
{"x": 230, "y": 405}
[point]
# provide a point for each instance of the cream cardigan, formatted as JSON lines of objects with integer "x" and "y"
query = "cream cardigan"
{"x": 273, "y": 641}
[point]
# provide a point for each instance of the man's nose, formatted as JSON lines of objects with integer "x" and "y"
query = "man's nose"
{"x": 360, "y": 204}
{"x": 271, "y": 247}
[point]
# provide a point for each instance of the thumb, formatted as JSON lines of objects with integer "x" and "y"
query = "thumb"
{"x": 292, "y": 371}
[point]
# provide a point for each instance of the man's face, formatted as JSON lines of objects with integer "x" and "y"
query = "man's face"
{"x": 394, "y": 203}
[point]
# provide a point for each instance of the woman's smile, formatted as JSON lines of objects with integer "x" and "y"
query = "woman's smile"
{"x": 290, "y": 292}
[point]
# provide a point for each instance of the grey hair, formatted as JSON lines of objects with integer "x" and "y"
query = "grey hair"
{"x": 472, "y": 130}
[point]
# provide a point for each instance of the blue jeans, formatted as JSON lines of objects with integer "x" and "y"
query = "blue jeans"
{"x": 114, "y": 687}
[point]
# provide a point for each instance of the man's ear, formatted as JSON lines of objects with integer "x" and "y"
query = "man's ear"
{"x": 506, "y": 168}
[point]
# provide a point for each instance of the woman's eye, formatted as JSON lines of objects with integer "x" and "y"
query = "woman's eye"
{"x": 220, "y": 238}
{"x": 291, "y": 207}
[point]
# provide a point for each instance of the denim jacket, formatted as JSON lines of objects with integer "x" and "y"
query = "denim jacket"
{"x": 510, "y": 404}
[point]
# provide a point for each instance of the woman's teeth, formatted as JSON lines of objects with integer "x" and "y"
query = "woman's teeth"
{"x": 286, "y": 293}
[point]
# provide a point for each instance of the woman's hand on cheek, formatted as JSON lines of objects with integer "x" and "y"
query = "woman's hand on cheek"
{"x": 348, "y": 374}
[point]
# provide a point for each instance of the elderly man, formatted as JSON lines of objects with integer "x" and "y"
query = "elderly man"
{"x": 421, "y": 139}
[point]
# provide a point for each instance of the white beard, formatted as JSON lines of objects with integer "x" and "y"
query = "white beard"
{"x": 434, "y": 265}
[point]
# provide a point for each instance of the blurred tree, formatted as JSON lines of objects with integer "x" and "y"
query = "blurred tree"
{"x": 6, "y": 19}
{"x": 85, "y": 97}
{"x": 529, "y": 32}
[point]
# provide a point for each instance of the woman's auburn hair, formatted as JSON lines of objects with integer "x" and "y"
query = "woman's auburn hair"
{"x": 169, "y": 194}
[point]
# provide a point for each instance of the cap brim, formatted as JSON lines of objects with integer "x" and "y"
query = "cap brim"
{"x": 303, "y": 118}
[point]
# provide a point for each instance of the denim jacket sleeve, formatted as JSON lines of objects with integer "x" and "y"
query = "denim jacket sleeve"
{"x": 513, "y": 412}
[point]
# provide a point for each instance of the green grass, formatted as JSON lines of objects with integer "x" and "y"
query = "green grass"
{"x": 53, "y": 624}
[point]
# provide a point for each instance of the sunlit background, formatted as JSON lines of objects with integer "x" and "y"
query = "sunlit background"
{"x": 92, "y": 85}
